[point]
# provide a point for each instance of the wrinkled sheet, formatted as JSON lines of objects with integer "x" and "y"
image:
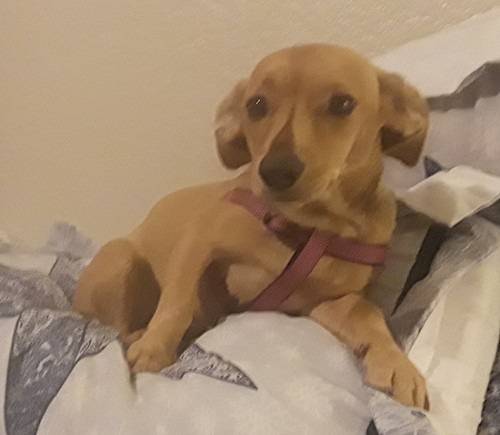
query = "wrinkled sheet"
{"x": 262, "y": 371}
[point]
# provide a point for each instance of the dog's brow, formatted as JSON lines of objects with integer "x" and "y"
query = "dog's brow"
{"x": 269, "y": 81}
{"x": 338, "y": 87}
{"x": 273, "y": 78}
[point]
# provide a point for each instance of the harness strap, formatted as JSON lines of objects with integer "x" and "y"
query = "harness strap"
{"x": 312, "y": 245}
{"x": 295, "y": 272}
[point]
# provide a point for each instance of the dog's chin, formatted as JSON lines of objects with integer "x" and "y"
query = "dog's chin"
{"x": 287, "y": 196}
{"x": 295, "y": 194}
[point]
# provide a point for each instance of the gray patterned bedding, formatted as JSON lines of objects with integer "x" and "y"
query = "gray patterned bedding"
{"x": 49, "y": 340}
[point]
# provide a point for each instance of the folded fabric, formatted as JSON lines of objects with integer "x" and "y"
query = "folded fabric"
{"x": 450, "y": 196}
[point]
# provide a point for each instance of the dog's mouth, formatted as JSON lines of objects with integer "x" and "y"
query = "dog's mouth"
{"x": 305, "y": 191}
{"x": 300, "y": 193}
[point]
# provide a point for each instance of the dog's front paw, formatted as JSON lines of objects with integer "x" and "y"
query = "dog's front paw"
{"x": 149, "y": 355}
{"x": 392, "y": 372}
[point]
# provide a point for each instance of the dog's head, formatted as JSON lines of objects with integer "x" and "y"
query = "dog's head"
{"x": 309, "y": 115}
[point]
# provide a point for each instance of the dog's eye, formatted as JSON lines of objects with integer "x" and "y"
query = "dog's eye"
{"x": 341, "y": 105}
{"x": 257, "y": 107}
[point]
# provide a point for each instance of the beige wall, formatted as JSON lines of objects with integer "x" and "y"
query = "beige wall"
{"x": 106, "y": 105}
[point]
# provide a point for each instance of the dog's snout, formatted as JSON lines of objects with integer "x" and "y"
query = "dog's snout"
{"x": 281, "y": 171}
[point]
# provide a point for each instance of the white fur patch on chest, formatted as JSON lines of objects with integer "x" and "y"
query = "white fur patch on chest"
{"x": 246, "y": 281}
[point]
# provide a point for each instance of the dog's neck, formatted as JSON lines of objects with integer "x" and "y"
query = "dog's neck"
{"x": 336, "y": 213}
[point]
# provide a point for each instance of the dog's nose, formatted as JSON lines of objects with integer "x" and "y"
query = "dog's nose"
{"x": 281, "y": 171}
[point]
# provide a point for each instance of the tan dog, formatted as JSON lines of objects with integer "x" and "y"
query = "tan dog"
{"x": 312, "y": 123}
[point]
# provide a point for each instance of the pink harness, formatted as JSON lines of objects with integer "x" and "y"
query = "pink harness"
{"x": 312, "y": 245}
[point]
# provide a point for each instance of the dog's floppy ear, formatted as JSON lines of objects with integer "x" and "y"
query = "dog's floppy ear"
{"x": 405, "y": 118}
{"x": 231, "y": 143}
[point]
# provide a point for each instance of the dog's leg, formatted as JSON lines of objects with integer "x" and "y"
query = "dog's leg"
{"x": 361, "y": 325}
{"x": 157, "y": 348}
{"x": 118, "y": 288}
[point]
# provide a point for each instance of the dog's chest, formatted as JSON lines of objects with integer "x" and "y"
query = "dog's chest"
{"x": 329, "y": 279}
{"x": 246, "y": 281}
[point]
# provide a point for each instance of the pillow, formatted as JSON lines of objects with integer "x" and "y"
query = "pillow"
{"x": 438, "y": 63}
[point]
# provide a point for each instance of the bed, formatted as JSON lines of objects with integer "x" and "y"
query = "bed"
{"x": 266, "y": 373}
